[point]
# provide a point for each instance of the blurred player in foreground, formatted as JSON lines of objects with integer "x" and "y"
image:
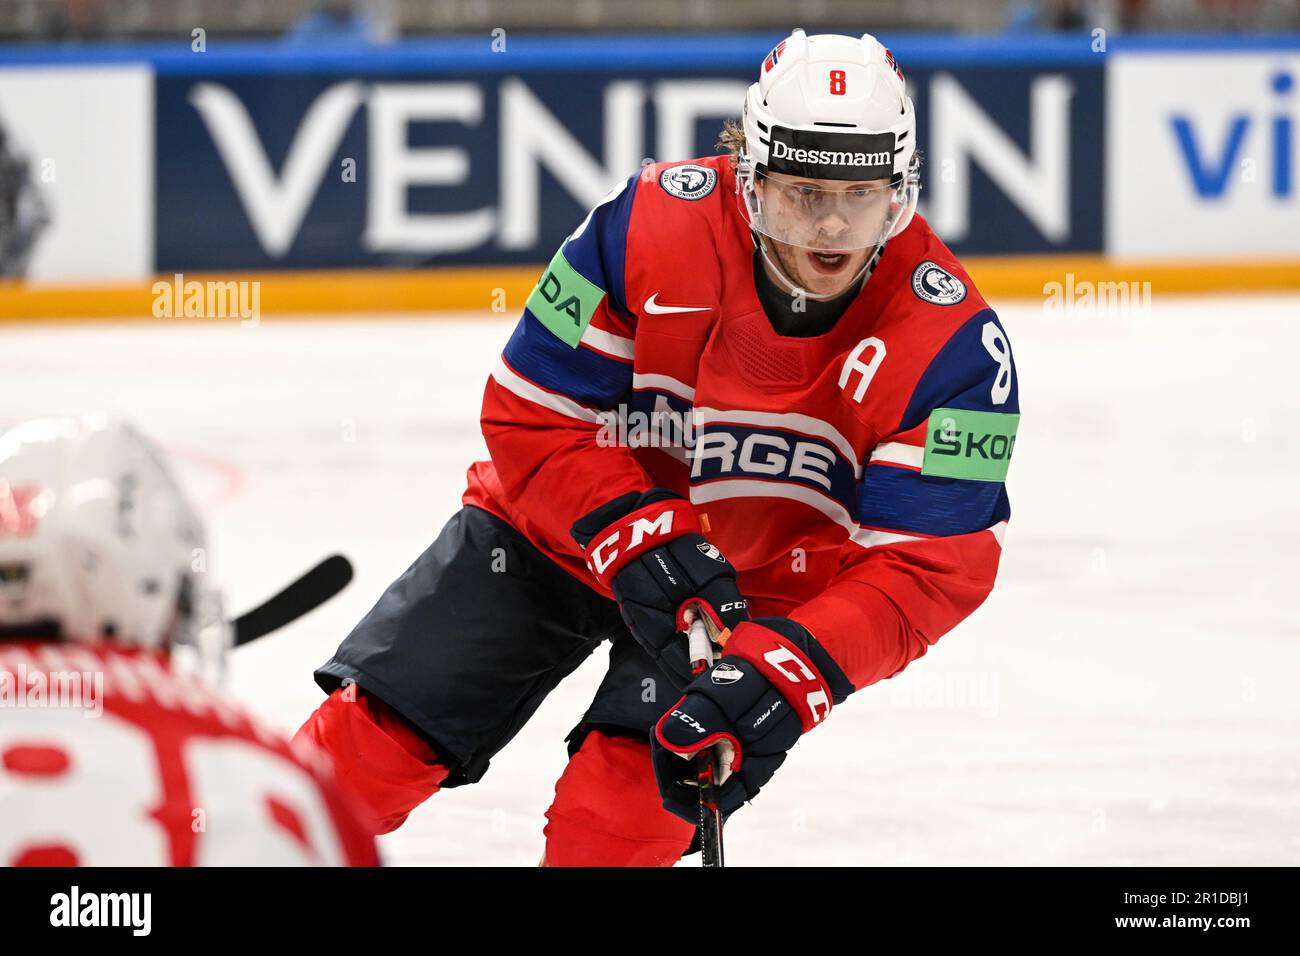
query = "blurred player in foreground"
{"x": 844, "y": 407}
{"x": 111, "y": 755}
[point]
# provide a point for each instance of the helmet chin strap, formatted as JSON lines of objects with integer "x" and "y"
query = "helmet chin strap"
{"x": 793, "y": 289}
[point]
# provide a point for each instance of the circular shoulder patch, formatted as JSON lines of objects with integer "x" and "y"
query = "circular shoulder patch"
{"x": 934, "y": 283}
{"x": 689, "y": 181}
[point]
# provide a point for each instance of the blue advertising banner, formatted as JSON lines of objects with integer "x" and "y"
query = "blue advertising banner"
{"x": 300, "y": 170}
{"x": 458, "y": 151}
{"x": 466, "y": 151}
{"x": 391, "y": 159}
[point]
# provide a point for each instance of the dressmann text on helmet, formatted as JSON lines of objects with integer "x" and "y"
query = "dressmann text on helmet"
{"x": 832, "y": 156}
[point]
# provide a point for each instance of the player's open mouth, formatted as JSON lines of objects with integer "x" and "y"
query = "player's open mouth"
{"x": 828, "y": 263}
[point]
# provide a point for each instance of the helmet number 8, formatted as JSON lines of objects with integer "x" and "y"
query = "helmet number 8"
{"x": 837, "y": 82}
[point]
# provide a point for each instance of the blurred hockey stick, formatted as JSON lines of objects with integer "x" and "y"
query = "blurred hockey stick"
{"x": 301, "y": 597}
{"x": 707, "y": 771}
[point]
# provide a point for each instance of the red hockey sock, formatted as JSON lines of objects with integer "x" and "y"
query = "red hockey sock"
{"x": 607, "y": 810}
{"x": 379, "y": 760}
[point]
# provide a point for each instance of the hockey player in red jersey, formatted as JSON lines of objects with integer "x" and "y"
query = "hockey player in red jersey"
{"x": 840, "y": 407}
{"x": 109, "y": 755}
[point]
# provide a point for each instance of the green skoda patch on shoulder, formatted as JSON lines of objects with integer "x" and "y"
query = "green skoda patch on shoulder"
{"x": 972, "y": 445}
{"x": 563, "y": 300}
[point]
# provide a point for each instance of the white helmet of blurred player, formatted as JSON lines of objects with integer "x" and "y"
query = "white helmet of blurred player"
{"x": 828, "y": 107}
{"x": 98, "y": 542}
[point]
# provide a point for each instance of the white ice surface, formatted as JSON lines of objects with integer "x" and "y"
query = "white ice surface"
{"x": 1130, "y": 694}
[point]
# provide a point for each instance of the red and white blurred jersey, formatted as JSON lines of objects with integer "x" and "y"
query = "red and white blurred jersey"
{"x": 109, "y": 759}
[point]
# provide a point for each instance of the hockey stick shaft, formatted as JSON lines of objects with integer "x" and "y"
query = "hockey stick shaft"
{"x": 301, "y": 597}
{"x": 706, "y": 762}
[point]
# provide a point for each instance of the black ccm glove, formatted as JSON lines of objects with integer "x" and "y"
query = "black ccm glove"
{"x": 773, "y": 684}
{"x": 647, "y": 548}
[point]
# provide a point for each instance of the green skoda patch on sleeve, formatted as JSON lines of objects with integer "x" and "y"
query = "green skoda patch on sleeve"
{"x": 563, "y": 300}
{"x": 972, "y": 445}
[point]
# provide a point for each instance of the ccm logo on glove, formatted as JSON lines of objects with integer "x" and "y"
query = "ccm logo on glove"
{"x": 647, "y": 550}
{"x": 637, "y": 533}
{"x": 689, "y": 721}
{"x": 789, "y": 670}
{"x": 818, "y": 701}
{"x": 773, "y": 684}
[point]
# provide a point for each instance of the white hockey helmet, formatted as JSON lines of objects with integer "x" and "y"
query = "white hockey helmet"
{"x": 98, "y": 542}
{"x": 829, "y": 107}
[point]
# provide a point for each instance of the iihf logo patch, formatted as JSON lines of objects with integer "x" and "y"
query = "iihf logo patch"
{"x": 711, "y": 551}
{"x": 726, "y": 674}
{"x": 933, "y": 283}
{"x": 689, "y": 181}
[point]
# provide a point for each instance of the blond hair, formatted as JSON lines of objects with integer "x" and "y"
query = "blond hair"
{"x": 732, "y": 139}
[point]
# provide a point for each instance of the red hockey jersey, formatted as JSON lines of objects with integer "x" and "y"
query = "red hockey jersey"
{"x": 108, "y": 759}
{"x": 855, "y": 478}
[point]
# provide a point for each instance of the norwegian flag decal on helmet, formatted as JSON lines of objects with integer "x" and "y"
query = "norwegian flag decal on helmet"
{"x": 773, "y": 57}
{"x": 889, "y": 58}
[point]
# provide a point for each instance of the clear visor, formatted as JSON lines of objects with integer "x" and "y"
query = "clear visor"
{"x": 200, "y": 647}
{"x": 824, "y": 216}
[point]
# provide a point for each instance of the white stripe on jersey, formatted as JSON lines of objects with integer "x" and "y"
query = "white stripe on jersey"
{"x": 617, "y": 345}
{"x": 869, "y": 538}
{"x": 665, "y": 383}
{"x": 897, "y": 453}
{"x": 512, "y": 381}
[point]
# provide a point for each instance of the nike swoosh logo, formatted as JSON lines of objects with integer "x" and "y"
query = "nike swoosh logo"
{"x": 654, "y": 308}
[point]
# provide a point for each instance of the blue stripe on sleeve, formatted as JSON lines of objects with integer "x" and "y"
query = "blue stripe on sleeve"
{"x": 964, "y": 374}
{"x": 904, "y": 500}
{"x": 598, "y": 250}
{"x": 581, "y": 374}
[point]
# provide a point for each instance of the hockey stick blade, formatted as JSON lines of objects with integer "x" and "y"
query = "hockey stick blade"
{"x": 301, "y": 597}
